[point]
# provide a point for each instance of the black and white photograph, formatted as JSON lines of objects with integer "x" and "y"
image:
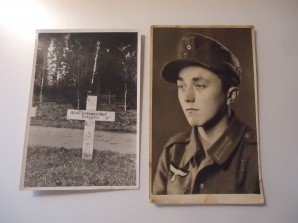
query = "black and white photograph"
{"x": 204, "y": 116}
{"x": 83, "y": 117}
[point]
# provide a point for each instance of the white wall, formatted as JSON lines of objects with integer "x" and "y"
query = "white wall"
{"x": 277, "y": 56}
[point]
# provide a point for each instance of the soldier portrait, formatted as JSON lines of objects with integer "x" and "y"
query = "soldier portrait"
{"x": 204, "y": 120}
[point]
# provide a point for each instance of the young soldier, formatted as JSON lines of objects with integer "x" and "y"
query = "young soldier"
{"x": 219, "y": 155}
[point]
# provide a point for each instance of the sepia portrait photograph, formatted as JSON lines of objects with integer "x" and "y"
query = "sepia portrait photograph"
{"x": 204, "y": 116}
{"x": 83, "y": 116}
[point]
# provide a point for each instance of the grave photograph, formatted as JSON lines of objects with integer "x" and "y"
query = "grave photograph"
{"x": 83, "y": 116}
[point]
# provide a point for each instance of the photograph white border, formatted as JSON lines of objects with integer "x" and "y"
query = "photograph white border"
{"x": 139, "y": 44}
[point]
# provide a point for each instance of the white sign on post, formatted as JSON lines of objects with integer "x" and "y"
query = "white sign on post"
{"x": 90, "y": 115}
{"x": 33, "y": 111}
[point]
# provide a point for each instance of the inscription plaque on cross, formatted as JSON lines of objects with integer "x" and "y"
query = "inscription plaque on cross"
{"x": 90, "y": 116}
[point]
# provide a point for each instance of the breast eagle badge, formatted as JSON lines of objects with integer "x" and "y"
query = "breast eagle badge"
{"x": 177, "y": 171}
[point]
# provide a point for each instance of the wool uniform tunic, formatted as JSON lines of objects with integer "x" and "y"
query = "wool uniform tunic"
{"x": 230, "y": 166}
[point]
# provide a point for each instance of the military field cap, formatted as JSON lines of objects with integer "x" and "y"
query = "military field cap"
{"x": 198, "y": 50}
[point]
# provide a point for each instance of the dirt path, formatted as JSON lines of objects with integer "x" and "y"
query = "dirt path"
{"x": 73, "y": 138}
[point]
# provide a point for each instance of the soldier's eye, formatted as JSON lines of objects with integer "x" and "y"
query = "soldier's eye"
{"x": 180, "y": 86}
{"x": 200, "y": 86}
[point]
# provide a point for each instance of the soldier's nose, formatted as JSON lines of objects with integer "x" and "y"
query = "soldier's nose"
{"x": 189, "y": 95}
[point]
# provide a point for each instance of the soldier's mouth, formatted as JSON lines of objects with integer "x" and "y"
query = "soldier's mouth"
{"x": 192, "y": 109}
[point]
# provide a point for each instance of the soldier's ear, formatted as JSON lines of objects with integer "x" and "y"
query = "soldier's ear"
{"x": 232, "y": 95}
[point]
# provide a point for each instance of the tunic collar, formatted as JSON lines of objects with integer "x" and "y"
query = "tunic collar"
{"x": 221, "y": 150}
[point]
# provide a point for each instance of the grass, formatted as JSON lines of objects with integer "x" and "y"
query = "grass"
{"x": 60, "y": 167}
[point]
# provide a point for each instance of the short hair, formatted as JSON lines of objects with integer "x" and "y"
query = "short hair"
{"x": 226, "y": 81}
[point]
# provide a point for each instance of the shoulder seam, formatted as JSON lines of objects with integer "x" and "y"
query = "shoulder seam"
{"x": 181, "y": 137}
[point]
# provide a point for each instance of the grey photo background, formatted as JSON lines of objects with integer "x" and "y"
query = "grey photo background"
{"x": 277, "y": 55}
{"x": 167, "y": 115}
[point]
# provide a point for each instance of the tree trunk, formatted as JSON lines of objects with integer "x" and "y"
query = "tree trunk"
{"x": 125, "y": 93}
{"x": 95, "y": 62}
{"x": 78, "y": 87}
{"x": 86, "y": 68}
{"x": 42, "y": 81}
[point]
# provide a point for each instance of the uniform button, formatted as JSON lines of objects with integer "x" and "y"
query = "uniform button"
{"x": 188, "y": 47}
{"x": 247, "y": 135}
{"x": 202, "y": 186}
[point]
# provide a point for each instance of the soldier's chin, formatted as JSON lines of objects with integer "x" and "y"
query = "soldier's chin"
{"x": 193, "y": 122}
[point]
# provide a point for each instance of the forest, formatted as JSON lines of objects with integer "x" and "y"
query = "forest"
{"x": 70, "y": 66}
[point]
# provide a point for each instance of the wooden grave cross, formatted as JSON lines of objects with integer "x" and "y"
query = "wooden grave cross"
{"x": 90, "y": 115}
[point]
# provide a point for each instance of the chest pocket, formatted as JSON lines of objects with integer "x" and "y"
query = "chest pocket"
{"x": 179, "y": 181}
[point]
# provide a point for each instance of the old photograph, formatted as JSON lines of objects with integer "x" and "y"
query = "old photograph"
{"x": 83, "y": 117}
{"x": 204, "y": 116}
